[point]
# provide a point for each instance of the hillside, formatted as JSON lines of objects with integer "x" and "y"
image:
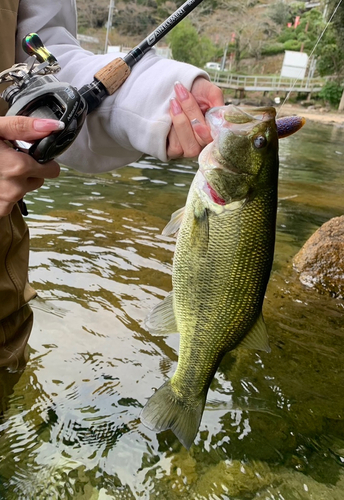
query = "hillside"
{"x": 252, "y": 35}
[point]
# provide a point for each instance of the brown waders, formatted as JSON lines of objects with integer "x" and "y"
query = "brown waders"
{"x": 15, "y": 314}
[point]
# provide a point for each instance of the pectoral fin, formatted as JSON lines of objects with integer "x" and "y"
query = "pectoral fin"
{"x": 176, "y": 221}
{"x": 257, "y": 338}
{"x": 200, "y": 228}
{"x": 161, "y": 320}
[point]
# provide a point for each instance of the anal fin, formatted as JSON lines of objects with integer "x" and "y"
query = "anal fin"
{"x": 257, "y": 338}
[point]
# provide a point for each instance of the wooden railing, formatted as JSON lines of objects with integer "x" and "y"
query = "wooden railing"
{"x": 266, "y": 83}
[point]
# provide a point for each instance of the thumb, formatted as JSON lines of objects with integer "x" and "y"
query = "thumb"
{"x": 26, "y": 128}
{"x": 206, "y": 94}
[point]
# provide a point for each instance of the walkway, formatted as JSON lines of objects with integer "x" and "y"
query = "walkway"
{"x": 244, "y": 83}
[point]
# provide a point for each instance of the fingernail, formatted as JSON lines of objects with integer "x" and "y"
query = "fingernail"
{"x": 195, "y": 122}
{"x": 201, "y": 130}
{"x": 181, "y": 91}
{"x": 47, "y": 125}
{"x": 175, "y": 107}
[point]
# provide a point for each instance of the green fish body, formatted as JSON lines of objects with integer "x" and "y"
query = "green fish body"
{"x": 222, "y": 263}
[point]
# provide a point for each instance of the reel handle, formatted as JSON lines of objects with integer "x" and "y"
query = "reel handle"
{"x": 33, "y": 46}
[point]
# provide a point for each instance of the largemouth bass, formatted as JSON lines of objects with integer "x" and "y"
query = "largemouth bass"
{"x": 222, "y": 262}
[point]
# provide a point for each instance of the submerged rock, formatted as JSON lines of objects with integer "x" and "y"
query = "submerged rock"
{"x": 297, "y": 486}
{"x": 233, "y": 479}
{"x": 320, "y": 261}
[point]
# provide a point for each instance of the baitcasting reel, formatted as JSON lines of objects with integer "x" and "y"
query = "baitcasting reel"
{"x": 36, "y": 92}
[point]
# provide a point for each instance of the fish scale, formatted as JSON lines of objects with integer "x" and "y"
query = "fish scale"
{"x": 233, "y": 276}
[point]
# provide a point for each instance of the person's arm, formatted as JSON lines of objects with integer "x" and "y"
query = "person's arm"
{"x": 135, "y": 119}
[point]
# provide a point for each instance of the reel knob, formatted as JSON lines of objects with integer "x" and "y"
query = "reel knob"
{"x": 33, "y": 46}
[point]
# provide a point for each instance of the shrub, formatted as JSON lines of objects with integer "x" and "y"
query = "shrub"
{"x": 292, "y": 45}
{"x": 272, "y": 49}
{"x": 287, "y": 34}
{"x": 332, "y": 93}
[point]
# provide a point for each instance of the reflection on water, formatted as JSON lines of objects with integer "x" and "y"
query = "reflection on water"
{"x": 273, "y": 424}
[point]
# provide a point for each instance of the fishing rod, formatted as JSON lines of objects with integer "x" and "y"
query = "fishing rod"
{"x": 110, "y": 78}
{"x": 36, "y": 92}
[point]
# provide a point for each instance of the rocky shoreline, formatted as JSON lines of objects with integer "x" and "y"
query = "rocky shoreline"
{"x": 312, "y": 112}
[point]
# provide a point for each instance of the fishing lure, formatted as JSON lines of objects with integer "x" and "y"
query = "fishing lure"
{"x": 288, "y": 125}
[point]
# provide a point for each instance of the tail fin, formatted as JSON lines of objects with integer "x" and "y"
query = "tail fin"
{"x": 164, "y": 410}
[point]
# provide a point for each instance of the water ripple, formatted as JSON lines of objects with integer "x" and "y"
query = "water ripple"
{"x": 273, "y": 423}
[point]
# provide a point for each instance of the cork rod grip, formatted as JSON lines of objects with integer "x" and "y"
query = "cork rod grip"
{"x": 113, "y": 75}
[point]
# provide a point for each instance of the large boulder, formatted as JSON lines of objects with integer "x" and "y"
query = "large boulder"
{"x": 320, "y": 261}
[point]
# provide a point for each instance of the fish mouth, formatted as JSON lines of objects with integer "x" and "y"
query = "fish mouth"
{"x": 207, "y": 161}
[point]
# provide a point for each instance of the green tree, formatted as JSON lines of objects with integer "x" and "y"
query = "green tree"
{"x": 330, "y": 50}
{"x": 330, "y": 56}
{"x": 338, "y": 21}
{"x": 307, "y": 32}
{"x": 188, "y": 46}
{"x": 296, "y": 9}
{"x": 338, "y": 28}
{"x": 332, "y": 53}
{"x": 279, "y": 13}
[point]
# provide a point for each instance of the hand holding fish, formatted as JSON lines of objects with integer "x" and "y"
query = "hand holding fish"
{"x": 189, "y": 133}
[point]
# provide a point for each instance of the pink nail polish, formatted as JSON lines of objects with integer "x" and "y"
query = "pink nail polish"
{"x": 47, "y": 125}
{"x": 181, "y": 91}
{"x": 175, "y": 107}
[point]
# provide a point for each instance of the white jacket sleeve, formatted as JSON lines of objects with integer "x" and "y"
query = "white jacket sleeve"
{"x": 135, "y": 119}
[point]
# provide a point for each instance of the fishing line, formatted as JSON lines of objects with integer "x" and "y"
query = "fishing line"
{"x": 310, "y": 55}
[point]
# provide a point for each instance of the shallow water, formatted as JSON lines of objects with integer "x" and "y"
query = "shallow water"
{"x": 273, "y": 427}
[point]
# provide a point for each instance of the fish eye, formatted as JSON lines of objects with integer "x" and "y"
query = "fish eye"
{"x": 260, "y": 141}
